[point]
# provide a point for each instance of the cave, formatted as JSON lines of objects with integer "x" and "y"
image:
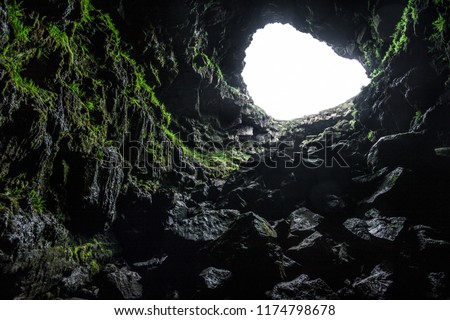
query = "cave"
{"x": 134, "y": 163}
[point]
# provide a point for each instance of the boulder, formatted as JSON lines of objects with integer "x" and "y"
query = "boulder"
{"x": 249, "y": 250}
{"x": 120, "y": 283}
{"x": 303, "y": 221}
{"x": 79, "y": 277}
{"x": 376, "y": 227}
{"x": 400, "y": 183}
{"x": 410, "y": 150}
{"x": 314, "y": 247}
{"x": 322, "y": 255}
{"x": 430, "y": 246}
{"x": 213, "y": 278}
{"x": 302, "y": 288}
{"x": 358, "y": 227}
{"x": 376, "y": 285}
{"x": 205, "y": 225}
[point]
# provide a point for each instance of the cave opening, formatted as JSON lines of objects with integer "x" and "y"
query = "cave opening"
{"x": 290, "y": 74}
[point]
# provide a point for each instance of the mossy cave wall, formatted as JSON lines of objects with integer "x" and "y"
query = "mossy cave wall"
{"x": 97, "y": 97}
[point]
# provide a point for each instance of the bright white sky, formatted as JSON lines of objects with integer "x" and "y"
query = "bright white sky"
{"x": 290, "y": 74}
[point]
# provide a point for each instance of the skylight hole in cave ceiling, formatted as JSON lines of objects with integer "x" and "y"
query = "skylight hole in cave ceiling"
{"x": 290, "y": 74}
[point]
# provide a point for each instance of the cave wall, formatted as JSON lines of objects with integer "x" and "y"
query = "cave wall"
{"x": 99, "y": 170}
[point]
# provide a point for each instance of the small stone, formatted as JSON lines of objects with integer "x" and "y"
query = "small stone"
{"x": 214, "y": 278}
{"x": 302, "y": 288}
{"x": 377, "y": 284}
{"x": 303, "y": 220}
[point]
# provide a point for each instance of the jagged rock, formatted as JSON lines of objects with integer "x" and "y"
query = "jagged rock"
{"x": 399, "y": 183}
{"x": 303, "y": 221}
{"x": 120, "y": 284}
{"x": 371, "y": 179}
{"x": 290, "y": 268}
{"x": 435, "y": 118}
{"x": 365, "y": 184}
{"x": 31, "y": 242}
{"x": 77, "y": 279}
{"x": 302, "y": 288}
{"x": 254, "y": 231}
{"x": 358, "y": 227}
{"x": 235, "y": 200}
{"x": 409, "y": 150}
{"x": 205, "y": 225}
{"x": 93, "y": 190}
{"x": 249, "y": 239}
{"x": 150, "y": 265}
{"x": 386, "y": 228}
{"x": 377, "y": 284}
{"x": 321, "y": 255}
{"x": 213, "y": 278}
{"x": 314, "y": 247}
{"x": 431, "y": 246}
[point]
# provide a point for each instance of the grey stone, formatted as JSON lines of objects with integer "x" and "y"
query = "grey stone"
{"x": 213, "y": 278}
{"x": 302, "y": 288}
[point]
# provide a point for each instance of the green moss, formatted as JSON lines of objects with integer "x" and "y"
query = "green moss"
{"x": 439, "y": 24}
{"x": 417, "y": 118}
{"x": 371, "y": 136}
{"x": 13, "y": 61}
{"x": 86, "y": 11}
{"x": 75, "y": 88}
{"x": 141, "y": 87}
{"x": 115, "y": 43}
{"x": 219, "y": 163}
{"x": 399, "y": 38}
{"x": 17, "y": 188}
{"x": 206, "y": 66}
{"x": 100, "y": 154}
{"x": 375, "y": 73}
{"x": 150, "y": 186}
{"x": 376, "y": 52}
{"x": 155, "y": 73}
{"x": 418, "y": 114}
{"x": 61, "y": 40}
{"x": 438, "y": 35}
{"x": 15, "y": 18}
{"x": 37, "y": 201}
{"x": 91, "y": 254}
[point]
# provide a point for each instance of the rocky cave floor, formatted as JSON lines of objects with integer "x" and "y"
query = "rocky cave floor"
{"x": 115, "y": 182}
{"x": 282, "y": 230}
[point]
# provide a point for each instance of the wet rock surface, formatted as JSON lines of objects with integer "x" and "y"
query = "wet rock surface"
{"x": 134, "y": 164}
